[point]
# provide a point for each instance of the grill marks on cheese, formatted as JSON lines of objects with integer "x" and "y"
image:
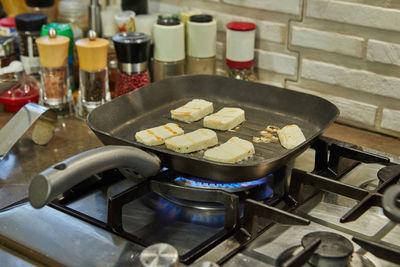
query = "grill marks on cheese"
{"x": 158, "y": 135}
{"x": 192, "y": 111}
{"x": 234, "y": 150}
{"x": 225, "y": 119}
{"x": 193, "y": 141}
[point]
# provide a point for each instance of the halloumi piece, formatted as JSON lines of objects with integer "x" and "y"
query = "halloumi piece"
{"x": 225, "y": 119}
{"x": 234, "y": 150}
{"x": 193, "y": 141}
{"x": 158, "y": 135}
{"x": 192, "y": 111}
{"x": 291, "y": 136}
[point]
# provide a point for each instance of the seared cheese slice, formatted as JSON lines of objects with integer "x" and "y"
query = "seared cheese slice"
{"x": 225, "y": 119}
{"x": 158, "y": 135}
{"x": 291, "y": 136}
{"x": 192, "y": 111}
{"x": 234, "y": 150}
{"x": 193, "y": 141}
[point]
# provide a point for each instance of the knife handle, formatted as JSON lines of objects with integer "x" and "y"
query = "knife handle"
{"x": 60, "y": 177}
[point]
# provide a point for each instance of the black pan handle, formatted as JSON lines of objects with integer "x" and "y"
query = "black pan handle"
{"x": 60, "y": 177}
{"x": 390, "y": 203}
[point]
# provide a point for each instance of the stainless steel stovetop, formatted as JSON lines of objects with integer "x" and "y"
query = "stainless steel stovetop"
{"x": 50, "y": 236}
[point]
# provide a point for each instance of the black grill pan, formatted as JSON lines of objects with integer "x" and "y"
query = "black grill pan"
{"x": 116, "y": 122}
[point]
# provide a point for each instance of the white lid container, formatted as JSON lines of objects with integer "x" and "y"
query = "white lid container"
{"x": 169, "y": 41}
{"x": 201, "y": 36}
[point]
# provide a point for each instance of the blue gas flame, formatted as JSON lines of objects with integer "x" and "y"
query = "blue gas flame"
{"x": 215, "y": 185}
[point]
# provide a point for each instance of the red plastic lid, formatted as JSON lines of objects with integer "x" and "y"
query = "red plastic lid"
{"x": 8, "y": 22}
{"x": 240, "y": 64}
{"x": 17, "y": 96}
{"x": 241, "y": 26}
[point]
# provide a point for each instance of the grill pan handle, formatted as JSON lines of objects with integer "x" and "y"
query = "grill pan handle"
{"x": 60, "y": 177}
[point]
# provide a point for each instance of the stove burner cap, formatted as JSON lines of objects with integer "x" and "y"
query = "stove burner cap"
{"x": 332, "y": 245}
{"x": 159, "y": 255}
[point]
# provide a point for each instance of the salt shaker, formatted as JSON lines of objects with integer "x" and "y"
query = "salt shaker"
{"x": 240, "y": 37}
{"x": 93, "y": 73}
{"x": 169, "y": 47}
{"x": 201, "y": 40}
{"x": 53, "y": 54}
{"x": 132, "y": 49}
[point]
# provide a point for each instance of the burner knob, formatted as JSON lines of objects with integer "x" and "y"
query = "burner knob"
{"x": 204, "y": 264}
{"x": 159, "y": 255}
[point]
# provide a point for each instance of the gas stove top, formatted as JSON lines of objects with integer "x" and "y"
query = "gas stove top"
{"x": 323, "y": 209}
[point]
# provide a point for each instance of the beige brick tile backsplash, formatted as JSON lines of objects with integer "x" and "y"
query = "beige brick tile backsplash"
{"x": 351, "y": 78}
{"x": 328, "y": 41}
{"x": 347, "y": 51}
{"x": 355, "y": 13}
{"x": 350, "y": 110}
{"x": 391, "y": 119}
{"x": 388, "y": 53}
{"x": 284, "y": 6}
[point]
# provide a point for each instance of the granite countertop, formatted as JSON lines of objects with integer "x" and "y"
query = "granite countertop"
{"x": 73, "y": 136}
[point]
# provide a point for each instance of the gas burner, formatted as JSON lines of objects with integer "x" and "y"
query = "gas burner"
{"x": 333, "y": 250}
{"x": 228, "y": 187}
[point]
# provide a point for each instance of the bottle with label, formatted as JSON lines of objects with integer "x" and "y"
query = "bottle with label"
{"x": 169, "y": 47}
{"x": 28, "y": 26}
{"x": 56, "y": 91}
{"x": 240, "y": 38}
{"x": 132, "y": 50}
{"x": 93, "y": 73}
{"x": 201, "y": 40}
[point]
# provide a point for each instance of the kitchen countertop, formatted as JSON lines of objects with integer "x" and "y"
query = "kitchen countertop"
{"x": 73, "y": 136}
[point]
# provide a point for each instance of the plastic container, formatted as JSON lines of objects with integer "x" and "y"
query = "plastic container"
{"x": 125, "y": 21}
{"x": 240, "y": 37}
{"x": 169, "y": 47}
{"x": 22, "y": 92}
{"x": 29, "y": 26}
{"x": 201, "y": 40}
{"x": 93, "y": 73}
{"x": 132, "y": 49}
{"x": 42, "y": 6}
{"x": 75, "y": 13}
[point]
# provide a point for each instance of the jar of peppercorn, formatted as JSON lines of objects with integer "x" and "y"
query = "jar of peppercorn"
{"x": 132, "y": 49}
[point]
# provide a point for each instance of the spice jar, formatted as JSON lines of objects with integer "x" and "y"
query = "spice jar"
{"x": 53, "y": 52}
{"x": 64, "y": 29}
{"x": 28, "y": 26}
{"x": 240, "y": 37}
{"x": 132, "y": 50}
{"x": 169, "y": 47}
{"x": 201, "y": 40}
{"x": 42, "y": 6}
{"x": 93, "y": 73}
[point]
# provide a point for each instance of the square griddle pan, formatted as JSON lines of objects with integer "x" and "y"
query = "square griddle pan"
{"x": 116, "y": 122}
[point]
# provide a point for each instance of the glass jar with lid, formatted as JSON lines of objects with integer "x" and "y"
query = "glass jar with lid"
{"x": 74, "y": 12}
{"x": 132, "y": 49}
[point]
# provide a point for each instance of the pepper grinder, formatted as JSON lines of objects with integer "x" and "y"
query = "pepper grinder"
{"x": 93, "y": 74}
{"x": 132, "y": 49}
{"x": 201, "y": 40}
{"x": 53, "y": 54}
{"x": 240, "y": 37}
{"x": 169, "y": 47}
